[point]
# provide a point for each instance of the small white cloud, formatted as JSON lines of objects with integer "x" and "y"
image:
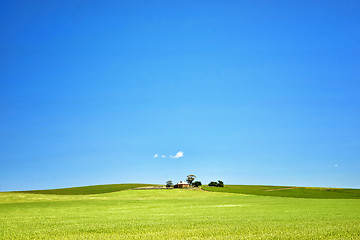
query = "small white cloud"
{"x": 179, "y": 154}
{"x": 156, "y": 155}
{"x": 336, "y": 165}
{"x": 163, "y": 156}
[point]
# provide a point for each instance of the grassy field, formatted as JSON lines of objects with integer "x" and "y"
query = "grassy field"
{"x": 175, "y": 214}
{"x": 95, "y": 189}
{"x": 286, "y": 191}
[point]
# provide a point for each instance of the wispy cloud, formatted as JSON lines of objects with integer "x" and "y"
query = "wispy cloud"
{"x": 163, "y": 156}
{"x": 156, "y": 155}
{"x": 179, "y": 154}
{"x": 336, "y": 165}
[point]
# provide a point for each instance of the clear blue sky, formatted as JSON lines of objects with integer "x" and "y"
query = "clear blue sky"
{"x": 252, "y": 92}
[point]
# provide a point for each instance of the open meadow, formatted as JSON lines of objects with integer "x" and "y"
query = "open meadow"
{"x": 175, "y": 214}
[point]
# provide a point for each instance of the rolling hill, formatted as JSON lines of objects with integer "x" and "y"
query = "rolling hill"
{"x": 288, "y": 191}
{"x": 95, "y": 189}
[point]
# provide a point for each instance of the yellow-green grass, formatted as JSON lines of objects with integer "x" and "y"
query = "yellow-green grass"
{"x": 286, "y": 191}
{"x": 175, "y": 214}
{"x": 95, "y": 189}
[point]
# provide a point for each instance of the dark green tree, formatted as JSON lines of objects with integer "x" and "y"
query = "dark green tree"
{"x": 220, "y": 184}
{"x": 169, "y": 184}
{"x": 213, "y": 184}
{"x": 197, "y": 184}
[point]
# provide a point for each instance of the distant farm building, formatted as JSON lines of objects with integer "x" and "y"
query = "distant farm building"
{"x": 181, "y": 184}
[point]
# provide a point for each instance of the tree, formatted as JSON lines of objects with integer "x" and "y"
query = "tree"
{"x": 220, "y": 184}
{"x": 216, "y": 184}
{"x": 190, "y": 179}
{"x": 213, "y": 184}
{"x": 169, "y": 184}
{"x": 197, "y": 184}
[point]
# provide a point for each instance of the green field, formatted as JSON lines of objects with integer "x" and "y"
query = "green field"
{"x": 175, "y": 214}
{"x": 286, "y": 191}
{"x": 95, "y": 189}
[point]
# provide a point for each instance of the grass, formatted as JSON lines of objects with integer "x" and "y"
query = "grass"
{"x": 286, "y": 191}
{"x": 95, "y": 189}
{"x": 175, "y": 214}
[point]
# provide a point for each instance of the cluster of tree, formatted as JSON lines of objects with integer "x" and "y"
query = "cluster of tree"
{"x": 216, "y": 184}
{"x": 189, "y": 180}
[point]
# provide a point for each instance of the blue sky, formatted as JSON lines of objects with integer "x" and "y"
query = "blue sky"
{"x": 249, "y": 92}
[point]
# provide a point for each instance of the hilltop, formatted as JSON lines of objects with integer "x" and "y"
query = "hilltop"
{"x": 85, "y": 190}
{"x": 262, "y": 190}
{"x": 289, "y": 191}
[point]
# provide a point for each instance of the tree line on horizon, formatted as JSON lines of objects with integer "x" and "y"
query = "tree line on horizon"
{"x": 190, "y": 180}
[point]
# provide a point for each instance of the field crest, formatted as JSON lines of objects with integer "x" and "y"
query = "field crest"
{"x": 286, "y": 191}
{"x": 94, "y": 189}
